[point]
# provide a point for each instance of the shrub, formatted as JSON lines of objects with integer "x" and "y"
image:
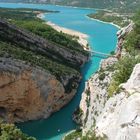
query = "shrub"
{"x": 132, "y": 43}
{"x": 102, "y": 76}
{"x": 123, "y": 69}
{"x": 11, "y": 132}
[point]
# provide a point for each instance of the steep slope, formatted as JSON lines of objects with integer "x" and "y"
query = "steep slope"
{"x": 29, "y": 93}
{"x": 38, "y": 76}
{"x": 120, "y": 117}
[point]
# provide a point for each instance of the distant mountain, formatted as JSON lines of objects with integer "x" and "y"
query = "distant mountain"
{"x": 120, "y": 5}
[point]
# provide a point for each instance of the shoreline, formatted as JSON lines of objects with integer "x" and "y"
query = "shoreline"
{"x": 104, "y": 22}
{"x": 81, "y": 37}
{"x": 68, "y": 134}
{"x": 40, "y": 15}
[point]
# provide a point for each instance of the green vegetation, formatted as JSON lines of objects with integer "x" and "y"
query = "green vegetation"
{"x": 132, "y": 41}
{"x": 125, "y": 65}
{"x": 35, "y": 59}
{"x": 88, "y": 97}
{"x": 116, "y": 5}
{"x": 102, "y": 76}
{"x": 78, "y": 112}
{"x": 11, "y": 132}
{"x": 123, "y": 70}
{"x": 46, "y": 31}
{"x": 21, "y": 14}
{"x": 87, "y": 92}
{"x": 74, "y": 135}
{"x": 78, "y": 134}
{"x": 27, "y": 19}
{"x": 111, "y": 17}
{"x": 77, "y": 115}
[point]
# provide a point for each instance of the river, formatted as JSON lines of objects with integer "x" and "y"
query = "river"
{"x": 102, "y": 37}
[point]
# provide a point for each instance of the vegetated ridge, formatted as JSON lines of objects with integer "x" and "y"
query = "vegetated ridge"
{"x": 39, "y": 67}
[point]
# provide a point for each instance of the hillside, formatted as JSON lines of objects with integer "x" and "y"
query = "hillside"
{"x": 116, "y": 5}
{"x": 38, "y": 65}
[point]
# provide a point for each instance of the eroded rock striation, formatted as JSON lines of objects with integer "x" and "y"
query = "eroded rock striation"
{"x": 28, "y": 93}
{"x": 117, "y": 117}
{"x": 120, "y": 118}
{"x": 95, "y": 95}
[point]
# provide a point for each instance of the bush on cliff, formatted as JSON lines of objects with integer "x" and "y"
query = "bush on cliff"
{"x": 27, "y": 19}
{"x": 78, "y": 135}
{"x": 46, "y": 31}
{"x": 125, "y": 65}
{"x": 11, "y": 132}
{"x": 132, "y": 41}
{"x": 123, "y": 70}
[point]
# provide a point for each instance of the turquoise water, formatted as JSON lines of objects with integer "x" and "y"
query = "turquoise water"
{"x": 102, "y": 37}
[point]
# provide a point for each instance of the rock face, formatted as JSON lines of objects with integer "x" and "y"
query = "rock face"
{"x": 29, "y": 93}
{"x": 117, "y": 117}
{"x": 95, "y": 95}
{"x": 120, "y": 119}
{"x": 38, "y": 44}
{"x": 121, "y": 34}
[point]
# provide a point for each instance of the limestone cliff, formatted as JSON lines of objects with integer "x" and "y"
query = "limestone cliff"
{"x": 116, "y": 117}
{"x": 95, "y": 95}
{"x": 120, "y": 118}
{"x": 28, "y": 93}
{"x": 37, "y": 77}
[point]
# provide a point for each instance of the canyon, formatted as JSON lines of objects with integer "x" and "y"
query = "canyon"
{"x": 30, "y": 92}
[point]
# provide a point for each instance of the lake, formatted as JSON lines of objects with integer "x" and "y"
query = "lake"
{"x": 102, "y": 37}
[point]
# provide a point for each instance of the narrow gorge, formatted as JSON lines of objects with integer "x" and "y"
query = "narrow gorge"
{"x": 65, "y": 74}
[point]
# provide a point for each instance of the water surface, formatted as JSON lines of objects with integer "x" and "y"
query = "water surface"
{"x": 102, "y": 37}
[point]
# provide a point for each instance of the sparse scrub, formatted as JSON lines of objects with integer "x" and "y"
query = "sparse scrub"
{"x": 11, "y": 132}
{"x": 123, "y": 70}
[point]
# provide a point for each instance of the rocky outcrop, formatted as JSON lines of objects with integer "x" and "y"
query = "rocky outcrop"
{"x": 29, "y": 93}
{"x": 95, "y": 95}
{"x": 117, "y": 117}
{"x": 121, "y": 36}
{"x": 40, "y": 45}
{"x": 120, "y": 118}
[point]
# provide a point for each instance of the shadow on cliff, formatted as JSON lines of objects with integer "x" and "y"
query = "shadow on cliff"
{"x": 60, "y": 122}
